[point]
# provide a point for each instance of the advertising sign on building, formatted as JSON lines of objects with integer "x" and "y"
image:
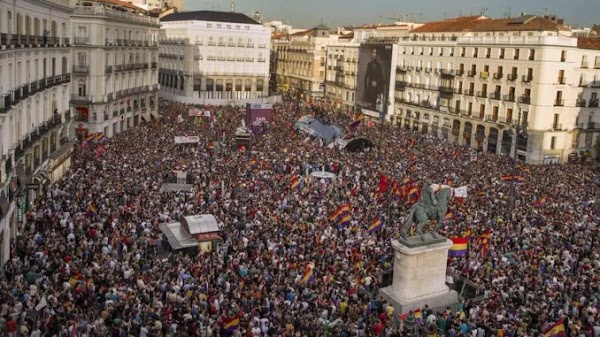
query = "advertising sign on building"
{"x": 258, "y": 116}
{"x": 374, "y": 68}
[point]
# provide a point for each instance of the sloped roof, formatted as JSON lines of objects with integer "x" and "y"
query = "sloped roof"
{"x": 316, "y": 128}
{"x": 347, "y": 36}
{"x": 526, "y": 22}
{"x": 588, "y": 43}
{"x": 210, "y": 16}
{"x": 321, "y": 27}
{"x": 121, "y": 4}
{"x": 460, "y": 24}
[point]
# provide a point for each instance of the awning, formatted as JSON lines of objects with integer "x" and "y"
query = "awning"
{"x": 41, "y": 177}
{"x": 176, "y": 235}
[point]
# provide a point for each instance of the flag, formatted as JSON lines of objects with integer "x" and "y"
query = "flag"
{"x": 449, "y": 216}
{"x": 375, "y": 225}
{"x": 557, "y": 330}
{"x": 356, "y": 122}
{"x": 294, "y": 182}
{"x": 413, "y": 191}
{"x": 339, "y": 211}
{"x": 467, "y": 233}
{"x": 518, "y": 178}
{"x": 100, "y": 137}
{"x": 403, "y": 316}
{"x": 455, "y": 154}
{"x": 541, "y": 201}
{"x": 252, "y": 162}
{"x": 92, "y": 210}
{"x": 410, "y": 143}
{"x": 345, "y": 220}
{"x": 100, "y": 151}
{"x": 507, "y": 177}
{"x": 459, "y": 247}
{"x": 231, "y": 323}
{"x": 354, "y": 190}
{"x": 383, "y": 183}
{"x": 418, "y": 316}
{"x": 309, "y": 276}
{"x": 484, "y": 241}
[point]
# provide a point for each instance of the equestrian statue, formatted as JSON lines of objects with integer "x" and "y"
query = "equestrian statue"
{"x": 431, "y": 206}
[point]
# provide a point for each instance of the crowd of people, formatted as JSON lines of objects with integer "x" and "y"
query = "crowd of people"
{"x": 90, "y": 259}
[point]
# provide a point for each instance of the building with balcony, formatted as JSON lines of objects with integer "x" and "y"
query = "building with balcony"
{"x": 301, "y": 60}
{"x": 35, "y": 76}
{"x": 475, "y": 81}
{"x": 216, "y": 57}
{"x": 115, "y": 67}
{"x": 342, "y": 59}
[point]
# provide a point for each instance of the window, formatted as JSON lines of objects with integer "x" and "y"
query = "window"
{"x": 81, "y": 59}
{"x": 475, "y": 52}
{"x": 501, "y": 56}
{"x": 209, "y": 25}
{"x": 563, "y": 56}
{"x": 516, "y": 54}
{"x": 552, "y": 143}
{"x": 81, "y": 89}
{"x": 531, "y": 54}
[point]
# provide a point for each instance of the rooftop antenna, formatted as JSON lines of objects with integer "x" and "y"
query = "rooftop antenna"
{"x": 484, "y": 11}
{"x": 232, "y": 6}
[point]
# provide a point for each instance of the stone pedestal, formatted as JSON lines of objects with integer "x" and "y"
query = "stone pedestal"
{"x": 420, "y": 275}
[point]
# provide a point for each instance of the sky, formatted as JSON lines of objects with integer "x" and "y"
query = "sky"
{"x": 333, "y": 13}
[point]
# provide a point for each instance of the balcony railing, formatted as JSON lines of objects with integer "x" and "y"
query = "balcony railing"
{"x": 525, "y": 100}
{"x": 469, "y": 92}
{"x": 581, "y": 103}
{"x": 511, "y": 77}
{"x": 562, "y": 80}
{"x": 482, "y": 94}
{"x": 80, "y": 40}
{"x": 594, "y": 103}
{"x": 108, "y": 69}
{"x": 471, "y": 73}
{"x": 509, "y": 98}
{"x": 556, "y": 126}
{"x": 559, "y": 102}
{"x": 495, "y": 95}
{"x": 498, "y": 76}
{"x": 81, "y": 99}
{"x": 81, "y": 69}
{"x": 527, "y": 78}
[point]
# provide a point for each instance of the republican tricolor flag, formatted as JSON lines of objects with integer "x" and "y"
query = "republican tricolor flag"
{"x": 557, "y": 330}
{"x": 376, "y": 225}
{"x": 309, "y": 276}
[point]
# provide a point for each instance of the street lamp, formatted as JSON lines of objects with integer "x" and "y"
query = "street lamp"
{"x": 520, "y": 130}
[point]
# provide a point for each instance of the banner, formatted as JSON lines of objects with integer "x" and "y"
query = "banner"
{"x": 198, "y": 113}
{"x": 187, "y": 139}
{"x": 459, "y": 192}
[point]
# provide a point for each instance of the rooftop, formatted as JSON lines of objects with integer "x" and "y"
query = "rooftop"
{"x": 522, "y": 23}
{"x": 460, "y": 24}
{"x": 588, "y": 43}
{"x": 210, "y": 16}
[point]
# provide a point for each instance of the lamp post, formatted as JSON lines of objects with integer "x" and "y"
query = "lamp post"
{"x": 382, "y": 115}
{"x": 519, "y": 130}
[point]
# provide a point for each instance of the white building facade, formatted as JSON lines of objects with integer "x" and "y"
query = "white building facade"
{"x": 208, "y": 56}
{"x": 115, "y": 71}
{"x": 480, "y": 85}
{"x": 35, "y": 78}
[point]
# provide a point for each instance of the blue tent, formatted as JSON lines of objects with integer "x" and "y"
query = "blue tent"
{"x": 316, "y": 128}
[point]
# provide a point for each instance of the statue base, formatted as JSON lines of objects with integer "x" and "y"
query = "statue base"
{"x": 420, "y": 275}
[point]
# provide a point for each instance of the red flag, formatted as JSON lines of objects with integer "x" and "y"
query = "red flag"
{"x": 383, "y": 184}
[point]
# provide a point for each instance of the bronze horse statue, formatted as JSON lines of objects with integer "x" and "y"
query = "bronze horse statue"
{"x": 424, "y": 211}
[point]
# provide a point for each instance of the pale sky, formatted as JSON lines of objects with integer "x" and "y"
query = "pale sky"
{"x": 309, "y": 13}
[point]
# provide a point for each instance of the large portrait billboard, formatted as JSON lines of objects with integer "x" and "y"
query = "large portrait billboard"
{"x": 374, "y": 68}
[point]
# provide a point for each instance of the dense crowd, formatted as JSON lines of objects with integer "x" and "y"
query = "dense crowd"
{"x": 91, "y": 261}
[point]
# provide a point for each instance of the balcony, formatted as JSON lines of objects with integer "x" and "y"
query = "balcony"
{"x": 525, "y": 100}
{"x": 592, "y": 125}
{"x": 81, "y": 41}
{"x": 527, "y": 79}
{"x": 498, "y": 76}
{"x": 66, "y": 78}
{"x": 75, "y": 98}
{"x": 584, "y": 65}
{"x": 556, "y": 127}
{"x": 446, "y": 90}
{"x": 593, "y": 103}
{"x": 580, "y": 103}
{"x": 400, "y": 85}
{"x": 597, "y": 66}
{"x": 81, "y": 69}
{"x": 484, "y": 74}
{"x": 511, "y": 77}
{"x": 482, "y": 94}
{"x": 595, "y": 84}
{"x": 459, "y": 72}
{"x": 559, "y": 102}
{"x": 495, "y": 95}
{"x": 469, "y": 92}
{"x": 471, "y": 73}
{"x": 447, "y": 73}
{"x": 108, "y": 69}
{"x": 509, "y": 98}
{"x": 154, "y": 65}
{"x": 6, "y": 103}
{"x": 562, "y": 80}
{"x": 401, "y": 70}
